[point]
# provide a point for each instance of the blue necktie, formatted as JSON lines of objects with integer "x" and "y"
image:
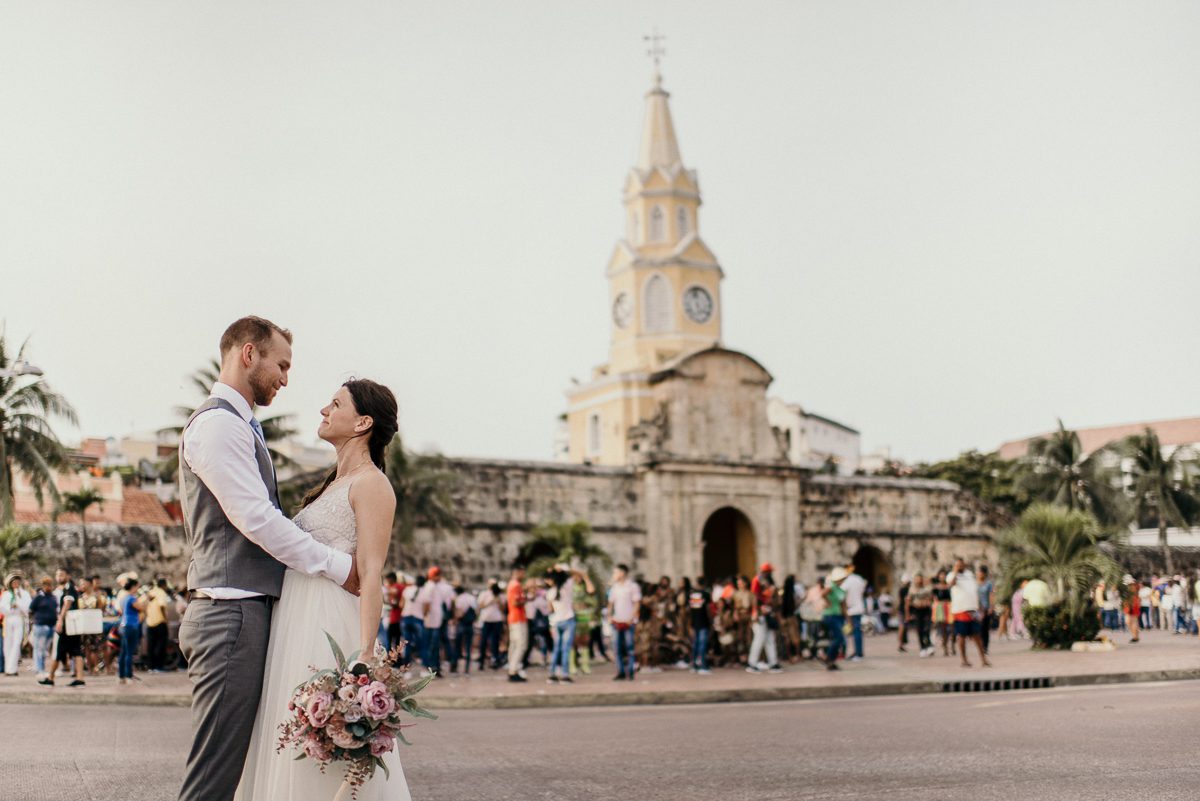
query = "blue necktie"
{"x": 258, "y": 432}
{"x": 257, "y": 426}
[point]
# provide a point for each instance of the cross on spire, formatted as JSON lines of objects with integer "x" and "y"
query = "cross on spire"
{"x": 656, "y": 51}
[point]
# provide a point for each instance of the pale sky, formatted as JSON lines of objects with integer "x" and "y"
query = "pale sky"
{"x": 942, "y": 223}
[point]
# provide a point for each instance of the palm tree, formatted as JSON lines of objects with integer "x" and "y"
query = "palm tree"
{"x": 1164, "y": 489}
{"x": 27, "y": 443}
{"x": 1063, "y": 547}
{"x": 276, "y": 428}
{"x": 424, "y": 486}
{"x": 1057, "y": 471}
{"x": 14, "y": 546}
{"x": 78, "y": 503}
{"x": 551, "y": 543}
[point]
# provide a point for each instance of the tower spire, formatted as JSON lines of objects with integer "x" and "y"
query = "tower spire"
{"x": 659, "y": 146}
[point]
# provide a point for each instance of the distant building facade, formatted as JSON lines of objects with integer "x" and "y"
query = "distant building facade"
{"x": 813, "y": 441}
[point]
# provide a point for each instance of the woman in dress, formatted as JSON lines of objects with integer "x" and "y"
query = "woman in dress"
{"x": 941, "y": 613}
{"x": 351, "y": 511}
{"x": 14, "y": 606}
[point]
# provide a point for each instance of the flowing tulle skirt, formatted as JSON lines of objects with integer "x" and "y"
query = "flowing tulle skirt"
{"x": 307, "y": 608}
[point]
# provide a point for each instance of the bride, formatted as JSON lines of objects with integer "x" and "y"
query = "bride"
{"x": 352, "y": 511}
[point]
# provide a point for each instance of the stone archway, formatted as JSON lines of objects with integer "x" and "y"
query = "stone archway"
{"x": 874, "y": 565}
{"x": 730, "y": 547}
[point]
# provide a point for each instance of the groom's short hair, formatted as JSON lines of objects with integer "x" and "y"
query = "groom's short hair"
{"x": 251, "y": 329}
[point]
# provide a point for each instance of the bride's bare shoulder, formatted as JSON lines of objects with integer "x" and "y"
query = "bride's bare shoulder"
{"x": 373, "y": 487}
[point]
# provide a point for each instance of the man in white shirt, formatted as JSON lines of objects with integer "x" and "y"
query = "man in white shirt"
{"x": 964, "y": 610}
{"x": 491, "y": 616}
{"x": 241, "y": 543}
{"x": 855, "y": 587}
{"x": 412, "y": 622}
{"x": 466, "y": 611}
{"x": 437, "y": 599}
{"x": 624, "y": 596}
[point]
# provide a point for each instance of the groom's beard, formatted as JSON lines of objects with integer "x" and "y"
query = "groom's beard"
{"x": 262, "y": 387}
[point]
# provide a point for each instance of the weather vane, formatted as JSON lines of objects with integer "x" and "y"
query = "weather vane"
{"x": 656, "y": 51}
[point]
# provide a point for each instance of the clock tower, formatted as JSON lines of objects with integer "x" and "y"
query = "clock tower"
{"x": 664, "y": 282}
{"x": 664, "y": 293}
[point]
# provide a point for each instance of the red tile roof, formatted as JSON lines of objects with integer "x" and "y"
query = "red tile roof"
{"x": 1183, "y": 431}
{"x": 144, "y": 508}
{"x": 136, "y": 508}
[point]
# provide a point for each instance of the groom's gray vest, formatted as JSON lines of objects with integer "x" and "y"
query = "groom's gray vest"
{"x": 221, "y": 555}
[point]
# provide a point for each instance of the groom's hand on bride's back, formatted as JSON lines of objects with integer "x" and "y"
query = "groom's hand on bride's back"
{"x": 350, "y": 585}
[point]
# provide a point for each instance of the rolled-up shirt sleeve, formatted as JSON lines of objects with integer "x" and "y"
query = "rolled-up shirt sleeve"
{"x": 219, "y": 448}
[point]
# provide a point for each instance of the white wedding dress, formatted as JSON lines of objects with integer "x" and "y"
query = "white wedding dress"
{"x": 308, "y": 607}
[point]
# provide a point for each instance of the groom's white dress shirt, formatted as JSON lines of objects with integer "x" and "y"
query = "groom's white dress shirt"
{"x": 220, "y": 450}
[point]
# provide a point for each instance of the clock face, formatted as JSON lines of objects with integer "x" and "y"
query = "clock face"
{"x": 698, "y": 304}
{"x": 622, "y": 310}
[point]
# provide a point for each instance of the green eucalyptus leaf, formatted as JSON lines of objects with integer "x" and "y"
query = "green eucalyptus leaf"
{"x": 338, "y": 656}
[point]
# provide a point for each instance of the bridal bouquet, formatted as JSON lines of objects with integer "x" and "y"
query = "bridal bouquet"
{"x": 353, "y": 713}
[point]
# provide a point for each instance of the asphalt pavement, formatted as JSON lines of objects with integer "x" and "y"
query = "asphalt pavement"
{"x": 1113, "y": 741}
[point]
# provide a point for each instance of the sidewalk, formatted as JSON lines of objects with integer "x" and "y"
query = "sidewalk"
{"x": 1158, "y": 657}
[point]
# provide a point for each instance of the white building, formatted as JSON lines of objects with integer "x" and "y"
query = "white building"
{"x": 814, "y": 441}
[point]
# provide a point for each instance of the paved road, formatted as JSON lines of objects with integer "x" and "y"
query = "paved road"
{"x": 1125, "y": 741}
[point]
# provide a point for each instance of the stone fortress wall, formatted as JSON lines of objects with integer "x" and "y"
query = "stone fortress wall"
{"x": 912, "y": 524}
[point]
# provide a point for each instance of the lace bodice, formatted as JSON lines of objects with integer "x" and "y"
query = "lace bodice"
{"x": 330, "y": 518}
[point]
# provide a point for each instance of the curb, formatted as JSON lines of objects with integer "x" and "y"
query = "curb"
{"x": 647, "y": 697}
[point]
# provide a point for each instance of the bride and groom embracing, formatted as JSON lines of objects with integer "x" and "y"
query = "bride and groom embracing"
{"x": 266, "y": 589}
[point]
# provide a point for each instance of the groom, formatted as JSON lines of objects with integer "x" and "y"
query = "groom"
{"x": 241, "y": 543}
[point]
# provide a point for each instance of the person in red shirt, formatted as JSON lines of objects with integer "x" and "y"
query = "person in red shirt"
{"x": 395, "y": 592}
{"x": 518, "y": 624}
{"x": 765, "y": 621}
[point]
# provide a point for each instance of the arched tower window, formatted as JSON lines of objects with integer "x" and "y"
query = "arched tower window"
{"x": 657, "y": 305}
{"x": 681, "y": 221}
{"x": 657, "y": 225}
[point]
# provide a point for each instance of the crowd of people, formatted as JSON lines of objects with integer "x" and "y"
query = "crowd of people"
{"x": 566, "y": 620}
{"x": 1155, "y": 602}
{"x": 85, "y": 627}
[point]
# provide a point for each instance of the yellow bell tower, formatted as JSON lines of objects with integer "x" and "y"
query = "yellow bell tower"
{"x": 664, "y": 292}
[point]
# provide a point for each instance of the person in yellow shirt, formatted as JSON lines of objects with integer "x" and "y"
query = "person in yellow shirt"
{"x": 156, "y": 625}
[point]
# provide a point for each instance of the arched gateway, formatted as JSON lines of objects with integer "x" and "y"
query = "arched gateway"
{"x": 874, "y": 565}
{"x": 729, "y": 544}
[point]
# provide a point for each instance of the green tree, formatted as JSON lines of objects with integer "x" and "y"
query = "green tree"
{"x": 424, "y": 485}
{"x": 1057, "y": 471}
{"x": 276, "y": 428}
{"x": 78, "y": 503}
{"x": 27, "y": 442}
{"x": 14, "y": 546}
{"x": 1066, "y": 548}
{"x": 571, "y": 543}
{"x": 1164, "y": 488}
{"x": 985, "y": 475}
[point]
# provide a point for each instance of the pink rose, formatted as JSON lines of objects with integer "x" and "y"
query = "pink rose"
{"x": 343, "y": 739}
{"x": 364, "y": 680}
{"x": 315, "y": 749}
{"x": 347, "y": 693}
{"x": 381, "y": 743}
{"x": 354, "y": 713}
{"x": 376, "y": 701}
{"x": 320, "y": 706}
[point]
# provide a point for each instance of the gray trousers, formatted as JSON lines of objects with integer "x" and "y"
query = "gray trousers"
{"x": 225, "y": 644}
